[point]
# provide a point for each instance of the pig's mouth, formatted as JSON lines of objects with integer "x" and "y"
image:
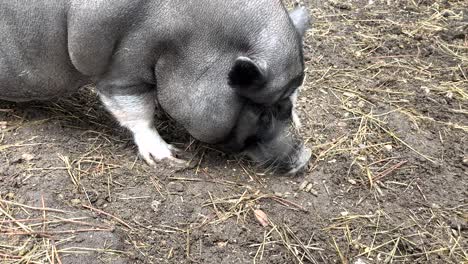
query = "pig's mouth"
{"x": 302, "y": 162}
{"x": 266, "y": 136}
{"x": 290, "y": 161}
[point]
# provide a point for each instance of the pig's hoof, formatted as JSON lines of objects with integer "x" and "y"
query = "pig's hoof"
{"x": 175, "y": 150}
{"x": 177, "y": 164}
{"x": 164, "y": 155}
{"x": 155, "y": 153}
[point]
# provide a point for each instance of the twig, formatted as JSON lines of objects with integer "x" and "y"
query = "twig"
{"x": 287, "y": 202}
{"x": 35, "y": 208}
{"x": 104, "y": 213}
{"x": 53, "y": 232}
{"x": 388, "y": 171}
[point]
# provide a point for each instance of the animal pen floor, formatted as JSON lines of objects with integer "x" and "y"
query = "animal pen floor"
{"x": 384, "y": 109}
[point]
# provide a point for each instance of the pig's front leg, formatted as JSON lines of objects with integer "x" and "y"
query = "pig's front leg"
{"x": 136, "y": 112}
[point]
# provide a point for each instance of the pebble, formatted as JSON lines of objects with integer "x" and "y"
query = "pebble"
{"x": 221, "y": 244}
{"x": 303, "y": 185}
{"x": 426, "y": 89}
{"x": 175, "y": 187}
{"x": 314, "y": 192}
{"x": 155, "y": 205}
{"x": 353, "y": 182}
{"x": 75, "y": 202}
{"x": 307, "y": 186}
{"x": 341, "y": 4}
{"x": 454, "y": 232}
{"x": 360, "y": 261}
{"x": 361, "y": 158}
{"x": 348, "y": 94}
{"x": 27, "y": 157}
{"x": 99, "y": 202}
{"x": 92, "y": 195}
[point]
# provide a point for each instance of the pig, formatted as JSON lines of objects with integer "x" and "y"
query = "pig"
{"x": 227, "y": 71}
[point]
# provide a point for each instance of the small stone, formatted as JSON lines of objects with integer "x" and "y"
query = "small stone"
{"x": 360, "y": 261}
{"x": 465, "y": 161}
{"x": 175, "y": 187}
{"x": 341, "y": 4}
{"x": 221, "y": 244}
{"x": 309, "y": 187}
{"x": 388, "y": 147}
{"x": 454, "y": 232}
{"x": 303, "y": 185}
{"x": 75, "y": 202}
{"x": 449, "y": 95}
{"x": 426, "y": 89}
{"x": 92, "y": 195}
{"x": 348, "y": 94}
{"x": 261, "y": 217}
{"x": 314, "y": 192}
{"x": 155, "y": 205}
{"x": 342, "y": 124}
{"x": 27, "y": 157}
{"x": 99, "y": 202}
{"x": 352, "y": 181}
{"x": 361, "y": 158}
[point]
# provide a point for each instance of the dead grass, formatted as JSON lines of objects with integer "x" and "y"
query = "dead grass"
{"x": 393, "y": 74}
{"x": 41, "y": 234}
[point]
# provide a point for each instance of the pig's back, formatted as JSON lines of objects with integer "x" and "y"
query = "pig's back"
{"x": 34, "y": 60}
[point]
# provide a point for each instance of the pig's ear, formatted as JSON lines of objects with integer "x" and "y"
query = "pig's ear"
{"x": 247, "y": 74}
{"x": 301, "y": 19}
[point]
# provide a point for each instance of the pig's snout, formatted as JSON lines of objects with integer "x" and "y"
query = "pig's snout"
{"x": 302, "y": 161}
{"x": 281, "y": 154}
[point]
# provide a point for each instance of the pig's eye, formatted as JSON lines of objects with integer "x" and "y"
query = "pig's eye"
{"x": 283, "y": 109}
{"x": 266, "y": 129}
{"x": 265, "y": 119}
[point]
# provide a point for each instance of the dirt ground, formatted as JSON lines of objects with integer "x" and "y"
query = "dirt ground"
{"x": 384, "y": 109}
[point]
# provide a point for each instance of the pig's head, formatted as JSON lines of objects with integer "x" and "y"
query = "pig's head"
{"x": 242, "y": 100}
